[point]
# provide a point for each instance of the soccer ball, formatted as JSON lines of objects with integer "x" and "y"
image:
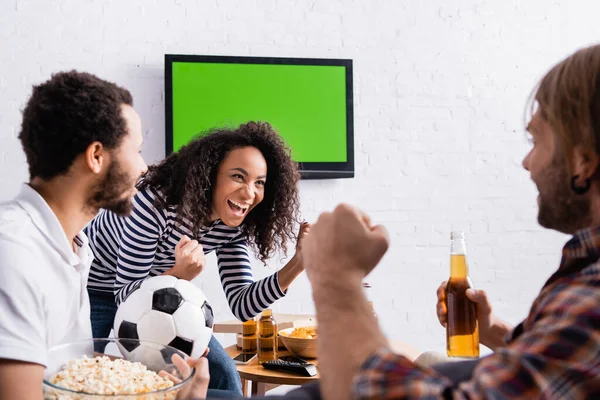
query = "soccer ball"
{"x": 168, "y": 311}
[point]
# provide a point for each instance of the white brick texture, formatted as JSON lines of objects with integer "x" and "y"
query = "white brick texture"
{"x": 440, "y": 90}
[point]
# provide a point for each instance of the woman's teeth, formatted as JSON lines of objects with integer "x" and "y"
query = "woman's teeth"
{"x": 237, "y": 206}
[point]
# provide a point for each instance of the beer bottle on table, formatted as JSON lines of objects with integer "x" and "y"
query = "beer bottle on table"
{"x": 462, "y": 329}
{"x": 249, "y": 338}
{"x": 267, "y": 337}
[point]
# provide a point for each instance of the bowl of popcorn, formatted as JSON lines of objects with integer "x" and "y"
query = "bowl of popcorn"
{"x": 302, "y": 342}
{"x": 124, "y": 369}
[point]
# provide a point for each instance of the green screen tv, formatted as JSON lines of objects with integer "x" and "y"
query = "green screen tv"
{"x": 308, "y": 101}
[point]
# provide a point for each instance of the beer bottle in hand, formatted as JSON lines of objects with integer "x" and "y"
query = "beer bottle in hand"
{"x": 462, "y": 329}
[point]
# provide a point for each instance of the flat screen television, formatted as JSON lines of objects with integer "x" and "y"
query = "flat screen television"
{"x": 308, "y": 101}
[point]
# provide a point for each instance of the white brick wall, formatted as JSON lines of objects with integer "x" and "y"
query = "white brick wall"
{"x": 440, "y": 88}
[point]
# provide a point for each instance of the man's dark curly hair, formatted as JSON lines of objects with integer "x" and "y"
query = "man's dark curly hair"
{"x": 65, "y": 115}
{"x": 186, "y": 180}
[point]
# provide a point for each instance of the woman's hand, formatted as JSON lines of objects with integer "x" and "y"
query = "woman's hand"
{"x": 189, "y": 259}
{"x": 302, "y": 233}
{"x": 293, "y": 269}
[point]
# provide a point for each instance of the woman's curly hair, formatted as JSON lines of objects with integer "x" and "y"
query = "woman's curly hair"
{"x": 186, "y": 179}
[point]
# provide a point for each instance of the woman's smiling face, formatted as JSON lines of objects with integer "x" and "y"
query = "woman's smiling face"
{"x": 240, "y": 185}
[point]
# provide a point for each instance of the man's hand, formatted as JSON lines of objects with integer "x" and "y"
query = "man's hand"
{"x": 198, "y": 387}
{"x": 341, "y": 249}
{"x": 492, "y": 330}
{"x": 189, "y": 259}
{"x": 343, "y": 243}
{"x": 479, "y": 297}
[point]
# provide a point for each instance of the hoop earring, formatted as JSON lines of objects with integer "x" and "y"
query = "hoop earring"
{"x": 579, "y": 189}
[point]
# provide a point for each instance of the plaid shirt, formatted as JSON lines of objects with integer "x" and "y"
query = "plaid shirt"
{"x": 553, "y": 354}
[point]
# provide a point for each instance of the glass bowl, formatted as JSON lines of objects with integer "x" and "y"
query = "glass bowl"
{"x": 154, "y": 356}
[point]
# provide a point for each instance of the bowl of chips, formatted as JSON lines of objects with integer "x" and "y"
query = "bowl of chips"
{"x": 301, "y": 342}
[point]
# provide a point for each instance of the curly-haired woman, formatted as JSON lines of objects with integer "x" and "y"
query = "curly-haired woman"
{"x": 225, "y": 191}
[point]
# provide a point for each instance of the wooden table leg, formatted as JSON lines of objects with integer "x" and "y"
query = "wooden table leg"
{"x": 271, "y": 386}
{"x": 261, "y": 388}
{"x": 245, "y": 387}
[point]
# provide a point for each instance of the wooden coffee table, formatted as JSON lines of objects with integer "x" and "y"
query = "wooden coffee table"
{"x": 259, "y": 380}
{"x": 283, "y": 321}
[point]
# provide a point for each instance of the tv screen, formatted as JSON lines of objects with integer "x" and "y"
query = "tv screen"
{"x": 308, "y": 101}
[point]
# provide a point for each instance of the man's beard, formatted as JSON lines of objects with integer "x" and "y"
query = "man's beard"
{"x": 559, "y": 207}
{"x": 112, "y": 193}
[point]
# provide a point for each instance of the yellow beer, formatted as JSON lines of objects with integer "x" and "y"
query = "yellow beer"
{"x": 462, "y": 329}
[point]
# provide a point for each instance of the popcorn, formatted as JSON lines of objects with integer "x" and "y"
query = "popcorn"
{"x": 101, "y": 375}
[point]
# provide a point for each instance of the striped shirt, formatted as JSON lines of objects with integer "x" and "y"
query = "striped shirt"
{"x": 553, "y": 354}
{"x": 128, "y": 250}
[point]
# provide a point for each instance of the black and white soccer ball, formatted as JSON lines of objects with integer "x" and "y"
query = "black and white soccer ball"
{"x": 168, "y": 311}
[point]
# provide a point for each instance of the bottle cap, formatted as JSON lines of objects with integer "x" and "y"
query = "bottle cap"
{"x": 267, "y": 313}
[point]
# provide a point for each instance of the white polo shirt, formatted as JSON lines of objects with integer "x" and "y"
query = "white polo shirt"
{"x": 43, "y": 296}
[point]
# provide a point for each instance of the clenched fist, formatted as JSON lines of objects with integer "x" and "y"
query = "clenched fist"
{"x": 343, "y": 244}
{"x": 189, "y": 259}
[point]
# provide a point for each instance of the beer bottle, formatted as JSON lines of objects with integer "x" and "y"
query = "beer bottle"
{"x": 267, "y": 337}
{"x": 249, "y": 339}
{"x": 462, "y": 329}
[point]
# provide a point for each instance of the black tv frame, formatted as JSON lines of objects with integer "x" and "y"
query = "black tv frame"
{"x": 308, "y": 170}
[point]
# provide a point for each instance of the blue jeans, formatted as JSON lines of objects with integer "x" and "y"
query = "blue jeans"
{"x": 223, "y": 375}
